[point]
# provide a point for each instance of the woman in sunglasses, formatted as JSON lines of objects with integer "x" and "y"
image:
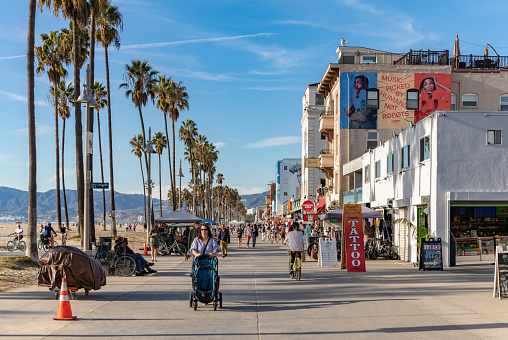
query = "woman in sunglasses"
{"x": 204, "y": 243}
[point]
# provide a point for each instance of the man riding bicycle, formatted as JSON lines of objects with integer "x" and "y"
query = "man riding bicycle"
{"x": 18, "y": 233}
{"x": 47, "y": 234}
{"x": 295, "y": 242}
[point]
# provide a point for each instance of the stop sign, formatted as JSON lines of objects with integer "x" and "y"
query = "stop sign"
{"x": 308, "y": 206}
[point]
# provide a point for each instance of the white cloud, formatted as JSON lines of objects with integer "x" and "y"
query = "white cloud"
{"x": 40, "y": 130}
{"x": 21, "y": 98}
{"x": 12, "y": 57}
{"x": 220, "y": 145}
{"x": 249, "y": 191}
{"x": 275, "y": 141}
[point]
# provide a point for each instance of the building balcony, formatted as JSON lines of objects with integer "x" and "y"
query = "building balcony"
{"x": 326, "y": 160}
{"x": 352, "y": 196}
{"x": 326, "y": 123}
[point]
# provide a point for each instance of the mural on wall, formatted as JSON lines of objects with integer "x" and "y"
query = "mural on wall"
{"x": 392, "y": 113}
{"x": 353, "y": 101}
{"x": 435, "y": 93}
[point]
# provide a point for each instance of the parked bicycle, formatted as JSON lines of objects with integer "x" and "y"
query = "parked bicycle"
{"x": 122, "y": 265}
{"x": 174, "y": 247}
{"x": 15, "y": 244}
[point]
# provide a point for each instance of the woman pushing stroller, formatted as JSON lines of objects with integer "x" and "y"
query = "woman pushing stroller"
{"x": 204, "y": 243}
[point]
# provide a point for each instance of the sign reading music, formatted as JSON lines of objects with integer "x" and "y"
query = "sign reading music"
{"x": 353, "y": 236}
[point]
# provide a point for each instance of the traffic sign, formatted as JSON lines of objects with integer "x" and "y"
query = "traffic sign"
{"x": 99, "y": 185}
{"x": 307, "y": 206}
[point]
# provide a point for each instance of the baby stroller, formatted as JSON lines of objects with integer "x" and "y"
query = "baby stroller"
{"x": 205, "y": 282}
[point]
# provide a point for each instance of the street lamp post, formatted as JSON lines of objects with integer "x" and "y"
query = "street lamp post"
{"x": 180, "y": 174}
{"x": 86, "y": 97}
{"x": 149, "y": 150}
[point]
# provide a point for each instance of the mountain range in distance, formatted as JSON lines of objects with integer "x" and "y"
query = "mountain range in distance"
{"x": 129, "y": 207}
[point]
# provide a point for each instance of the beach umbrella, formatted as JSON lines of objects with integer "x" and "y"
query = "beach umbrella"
{"x": 456, "y": 48}
{"x": 486, "y": 52}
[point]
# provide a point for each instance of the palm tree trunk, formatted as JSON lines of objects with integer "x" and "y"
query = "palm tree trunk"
{"x": 80, "y": 179}
{"x": 102, "y": 172}
{"x": 110, "y": 135}
{"x": 92, "y": 82}
{"x": 144, "y": 138}
{"x": 160, "y": 188}
{"x": 63, "y": 176}
{"x": 171, "y": 188}
{"x": 31, "y": 249}
{"x": 173, "y": 178}
{"x": 144, "y": 190}
{"x": 57, "y": 157}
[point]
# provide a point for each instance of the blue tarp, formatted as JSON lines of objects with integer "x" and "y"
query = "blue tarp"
{"x": 208, "y": 221}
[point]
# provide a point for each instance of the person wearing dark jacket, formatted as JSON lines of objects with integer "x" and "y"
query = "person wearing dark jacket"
{"x": 224, "y": 240}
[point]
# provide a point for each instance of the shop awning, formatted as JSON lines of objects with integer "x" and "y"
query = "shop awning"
{"x": 366, "y": 213}
{"x": 321, "y": 205}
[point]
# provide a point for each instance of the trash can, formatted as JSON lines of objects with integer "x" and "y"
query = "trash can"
{"x": 104, "y": 244}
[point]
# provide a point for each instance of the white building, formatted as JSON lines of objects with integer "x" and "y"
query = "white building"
{"x": 447, "y": 173}
{"x": 313, "y": 142}
{"x": 287, "y": 182}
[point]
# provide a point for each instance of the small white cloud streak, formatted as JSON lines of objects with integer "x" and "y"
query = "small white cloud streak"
{"x": 275, "y": 141}
{"x": 193, "y": 41}
{"x": 13, "y": 57}
{"x": 21, "y": 98}
{"x": 220, "y": 145}
{"x": 40, "y": 130}
{"x": 249, "y": 191}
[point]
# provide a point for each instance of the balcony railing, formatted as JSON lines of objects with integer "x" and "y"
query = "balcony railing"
{"x": 424, "y": 58}
{"x": 326, "y": 152}
{"x": 352, "y": 196}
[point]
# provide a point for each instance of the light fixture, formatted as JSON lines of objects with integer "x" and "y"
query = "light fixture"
{"x": 84, "y": 97}
{"x": 149, "y": 148}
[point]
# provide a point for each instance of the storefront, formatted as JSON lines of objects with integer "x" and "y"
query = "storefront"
{"x": 478, "y": 228}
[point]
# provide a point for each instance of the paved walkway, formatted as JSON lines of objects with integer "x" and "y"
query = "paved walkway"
{"x": 392, "y": 300}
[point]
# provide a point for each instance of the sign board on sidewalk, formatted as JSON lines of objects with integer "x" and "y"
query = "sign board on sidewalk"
{"x": 501, "y": 276}
{"x": 327, "y": 253}
{"x": 99, "y": 185}
{"x": 431, "y": 256}
{"x": 353, "y": 238}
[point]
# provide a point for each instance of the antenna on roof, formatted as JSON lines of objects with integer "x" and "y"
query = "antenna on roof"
{"x": 343, "y": 42}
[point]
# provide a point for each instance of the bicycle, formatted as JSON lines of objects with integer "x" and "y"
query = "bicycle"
{"x": 46, "y": 244}
{"x": 15, "y": 244}
{"x": 123, "y": 265}
{"x": 64, "y": 239}
{"x": 175, "y": 247}
{"x": 295, "y": 270}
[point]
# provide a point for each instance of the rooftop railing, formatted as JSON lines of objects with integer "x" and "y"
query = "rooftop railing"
{"x": 424, "y": 58}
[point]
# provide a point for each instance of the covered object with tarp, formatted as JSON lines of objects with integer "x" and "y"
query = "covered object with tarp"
{"x": 79, "y": 269}
{"x": 178, "y": 216}
{"x": 366, "y": 213}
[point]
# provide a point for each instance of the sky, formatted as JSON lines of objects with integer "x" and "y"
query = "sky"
{"x": 245, "y": 64}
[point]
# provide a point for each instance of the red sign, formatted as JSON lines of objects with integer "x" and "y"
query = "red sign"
{"x": 353, "y": 235}
{"x": 309, "y": 217}
{"x": 307, "y": 206}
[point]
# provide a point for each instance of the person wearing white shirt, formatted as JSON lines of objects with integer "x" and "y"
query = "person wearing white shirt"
{"x": 294, "y": 239}
{"x": 248, "y": 234}
{"x": 19, "y": 233}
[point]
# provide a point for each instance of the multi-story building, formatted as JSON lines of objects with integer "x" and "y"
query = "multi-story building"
{"x": 287, "y": 182}
{"x": 313, "y": 142}
{"x": 446, "y": 174}
{"x": 366, "y": 95}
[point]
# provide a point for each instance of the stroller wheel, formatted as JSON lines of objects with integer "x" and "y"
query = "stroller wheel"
{"x": 220, "y": 300}
{"x": 215, "y": 303}
{"x": 191, "y": 299}
{"x": 195, "y": 304}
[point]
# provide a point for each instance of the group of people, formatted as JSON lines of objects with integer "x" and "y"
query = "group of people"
{"x": 143, "y": 267}
{"x": 251, "y": 232}
{"x": 46, "y": 233}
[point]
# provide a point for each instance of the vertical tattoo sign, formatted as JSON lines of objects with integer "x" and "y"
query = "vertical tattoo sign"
{"x": 353, "y": 234}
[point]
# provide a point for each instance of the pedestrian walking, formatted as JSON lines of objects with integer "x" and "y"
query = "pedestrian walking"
{"x": 239, "y": 233}
{"x": 248, "y": 234}
{"x": 255, "y": 234}
{"x": 263, "y": 234}
{"x": 224, "y": 240}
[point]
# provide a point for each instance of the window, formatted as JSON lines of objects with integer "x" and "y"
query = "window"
{"x": 368, "y": 59}
{"x": 424, "y": 148}
{"x": 378, "y": 169}
{"x": 454, "y": 102}
{"x": 371, "y": 139}
{"x": 323, "y": 182}
{"x": 494, "y": 137}
{"x": 405, "y": 157}
{"x": 285, "y": 193}
{"x": 348, "y": 59}
{"x": 372, "y": 99}
{"x": 367, "y": 174}
{"x": 320, "y": 100}
{"x": 285, "y": 167}
{"x": 413, "y": 99}
{"x": 323, "y": 136}
{"x": 286, "y": 181}
{"x": 389, "y": 163}
{"x": 504, "y": 103}
{"x": 470, "y": 100}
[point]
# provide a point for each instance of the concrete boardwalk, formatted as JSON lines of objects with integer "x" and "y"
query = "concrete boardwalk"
{"x": 392, "y": 300}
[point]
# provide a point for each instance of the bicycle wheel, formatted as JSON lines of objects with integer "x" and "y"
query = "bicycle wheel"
{"x": 180, "y": 249}
{"x": 11, "y": 246}
{"x": 125, "y": 266}
{"x": 40, "y": 245}
{"x": 22, "y": 246}
{"x": 163, "y": 249}
{"x": 55, "y": 244}
{"x": 298, "y": 273}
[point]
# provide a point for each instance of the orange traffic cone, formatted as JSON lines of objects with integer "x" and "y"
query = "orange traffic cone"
{"x": 312, "y": 253}
{"x": 64, "y": 305}
{"x": 145, "y": 251}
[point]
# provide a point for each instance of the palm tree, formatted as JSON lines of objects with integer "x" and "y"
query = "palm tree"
{"x": 186, "y": 198}
{"x": 162, "y": 90}
{"x": 188, "y": 133}
{"x": 139, "y": 82}
{"x": 138, "y": 148}
{"x": 78, "y": 11}
{"x": 100, "y": 94}
{"x": 109, "y": 22}
{"x": 50, "y": 57}
{"x": 178, "y": 101}
{"x": 160, "y": 142}
{"x": 31, "y": 249}
{"x": 65, "y": 95}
